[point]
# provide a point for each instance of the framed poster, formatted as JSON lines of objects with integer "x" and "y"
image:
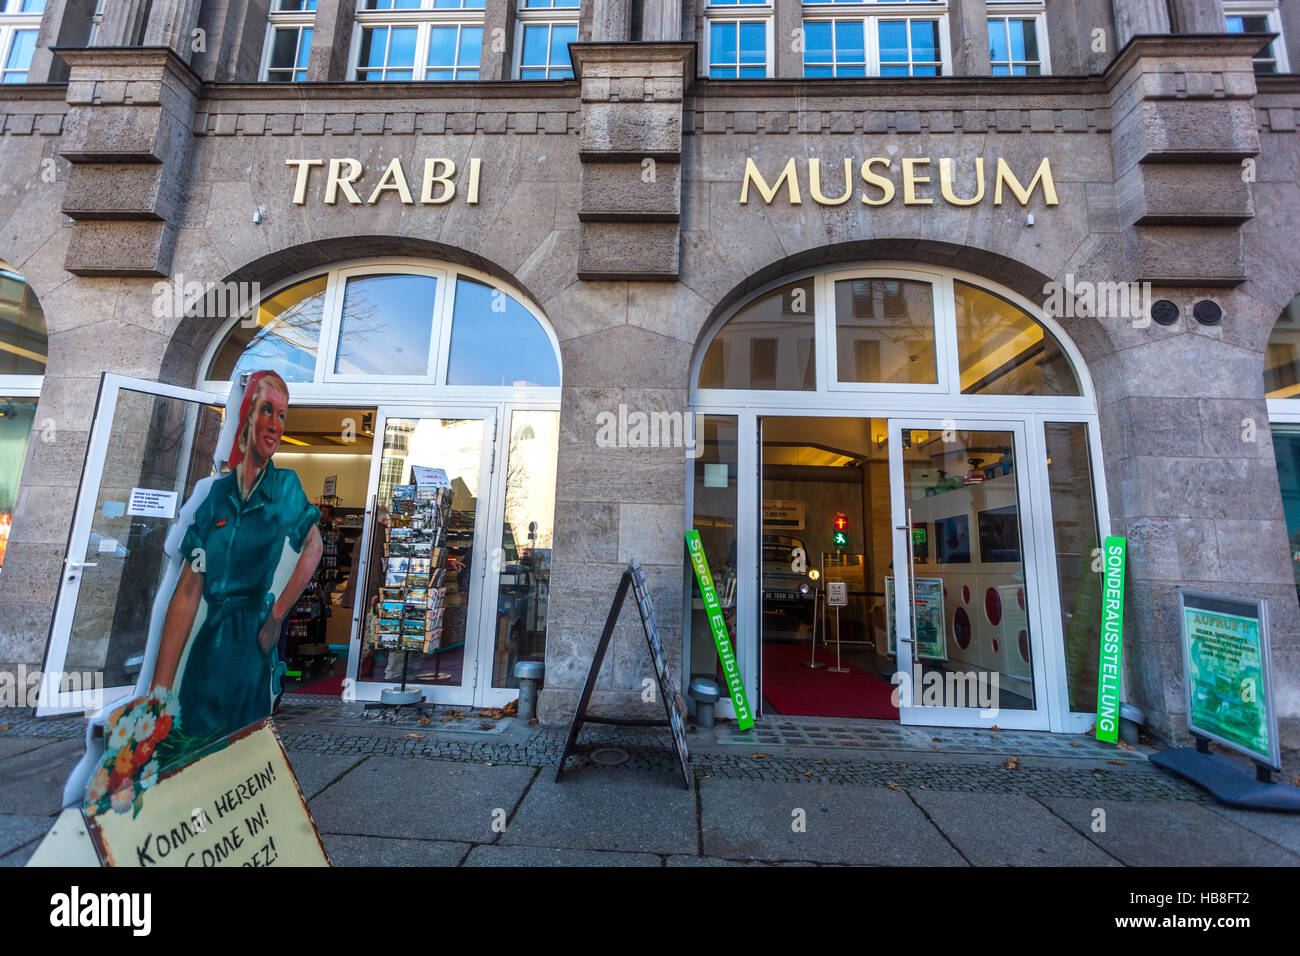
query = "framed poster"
{"x": 1228, "y": 672}
{"x": 783, "y": 514}
{"x": 931, "y": 640}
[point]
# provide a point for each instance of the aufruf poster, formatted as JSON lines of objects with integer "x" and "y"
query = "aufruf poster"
{"x": 1229, "y": 695}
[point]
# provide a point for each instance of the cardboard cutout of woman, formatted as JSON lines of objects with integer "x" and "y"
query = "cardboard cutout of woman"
{"x": 211, "y": 666}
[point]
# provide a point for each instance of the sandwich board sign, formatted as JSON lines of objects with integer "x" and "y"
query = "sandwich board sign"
{"x": 633, "y": 577}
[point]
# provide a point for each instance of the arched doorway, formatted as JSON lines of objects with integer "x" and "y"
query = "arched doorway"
{"x": 891, "y": 450}
{"x": 401, "y": 372}
{"x": 1282, "y": 391}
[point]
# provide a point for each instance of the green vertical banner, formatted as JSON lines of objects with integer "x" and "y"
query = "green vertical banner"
{"x": 1112, "y": 639}
{"x": 695, "y": 547}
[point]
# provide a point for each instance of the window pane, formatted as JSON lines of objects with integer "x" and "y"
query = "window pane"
{"x": 1002, "y": 350}
{"x": 23, "y": 342}
{"x": 33, "y": 6}
{"x": 535, "y": 45}
{"x": 998, "y": 41}
{"x": 442, "y": 46}
{"x": 373, "y": 40}
{"x": 1282, "y": 360}
{"x": 386, "y": 325}
{"x": 17, "y": 415}
{"x": 722, "y": 43}
{"x": 20, "y": 53}
{"x": 817, "y": 42}
{"x": 561, "y": 37}
{"x": 925, "y": 41}
{"x": 1286, "y": 449}
{"x": 753, "y": 43}
{"x": 285, "y": 337}
{"x": 1024, "y": 39}
{"x": 526, "y": 542}
{"x": 885, "y": 331}
{"x": 715, "y": 517}
{"x": 283, "y": 47}
{"x": 471, "y": 48}
{"x": 893, "y": 41}
{"x": 1074, "y": 529}
{"x": 304, "y": 49}
{"x": 496, "y": 341}
{"x": 849, "y": 45}
{"x": 768, "y": 344}
{"x": 402, "y": 47}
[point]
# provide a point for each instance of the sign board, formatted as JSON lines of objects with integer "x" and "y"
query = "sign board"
{"x": 718, "y": 624}
{"x": 1112, "y": 633}
{"x": 425, "y": 477}
{"x": 783, "y": 514}
{"x": 239, "y": 806}
{"x": 331, "y": 486}
{"x": 931, "y": 642}
{"x": 149, "y": 503}
{"x": 1229, "y": 690}
{"x": 837, "y": 594}
{"x": 634, "y": 578}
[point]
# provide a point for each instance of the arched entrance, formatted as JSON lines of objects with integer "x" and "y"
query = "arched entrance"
{"x": 401, "y": 372}
{"x": 900, "y": 471}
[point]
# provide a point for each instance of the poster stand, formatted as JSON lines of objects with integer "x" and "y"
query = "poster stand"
{"x": 633, "y": 578}
{"x": 1227, "y": 672}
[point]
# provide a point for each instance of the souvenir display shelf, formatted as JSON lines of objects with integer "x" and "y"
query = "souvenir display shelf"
{"x": 412, "y": 592}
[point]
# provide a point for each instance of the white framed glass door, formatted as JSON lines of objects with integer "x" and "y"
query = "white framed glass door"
{"x": 145, "y": 437}
{"x": 966, "y": 602}
{"x": 425, "y": 609}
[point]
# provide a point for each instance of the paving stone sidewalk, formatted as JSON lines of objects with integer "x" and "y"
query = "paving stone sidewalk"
{"x": 475, "y": 791}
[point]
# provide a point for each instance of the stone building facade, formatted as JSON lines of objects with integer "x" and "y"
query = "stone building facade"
{"x": 155, "y": 148}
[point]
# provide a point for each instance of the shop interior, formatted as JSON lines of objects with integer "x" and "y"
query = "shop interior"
{"x": 826, "y": 519}
{"x": 330, "y": 449}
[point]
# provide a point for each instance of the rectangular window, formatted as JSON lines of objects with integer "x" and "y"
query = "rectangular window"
{"x": 1015, "y": 47}
{"x": 433, "y": 40}
{"x": 875, "y": 38}
{"x": 546, "y": 51}
{"x": 20, "y": 20}
{"x": 737, "y": 49}
{"x": 288, "y": 40}
{"x": 1259, "y": 17}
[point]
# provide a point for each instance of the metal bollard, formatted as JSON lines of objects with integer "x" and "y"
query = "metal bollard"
{"x": 1131, "y": 721}
{"x": 706, "y": 693}
{"x": 530, "y": 674}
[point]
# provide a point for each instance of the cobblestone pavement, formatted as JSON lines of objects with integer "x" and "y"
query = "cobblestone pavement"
{"x": 413, "y": 789}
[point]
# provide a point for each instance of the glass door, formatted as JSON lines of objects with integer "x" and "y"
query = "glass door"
{"x": 150, "y": 444}
{"x": 964, "y": 596}
{"x": 425, "y": 555}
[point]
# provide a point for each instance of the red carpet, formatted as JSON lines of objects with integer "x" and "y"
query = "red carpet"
{"x": 330, "y": 685}
{"x": 800, "y": 691}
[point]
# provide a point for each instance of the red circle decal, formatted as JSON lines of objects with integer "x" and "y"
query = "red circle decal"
{"x": 961, "y": 628}
{"x": 1024, "y": 646}
{"x": 993, "y": 606}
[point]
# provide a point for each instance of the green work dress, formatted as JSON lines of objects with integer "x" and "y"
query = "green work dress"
{"x": 228, "y": 679}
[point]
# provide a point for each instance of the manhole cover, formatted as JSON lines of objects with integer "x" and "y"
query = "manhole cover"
{"x": 609, "y": 756}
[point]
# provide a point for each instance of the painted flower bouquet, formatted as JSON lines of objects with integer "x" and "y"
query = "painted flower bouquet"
{"x": 130, "y": 765}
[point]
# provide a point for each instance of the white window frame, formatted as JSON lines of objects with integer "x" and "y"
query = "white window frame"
{"x": 831, "y": 399}
{"x": 330, "y": 387}
{"x": 1270, "y": 10}
{"x": 871, "y": 15}
{"x": 1024, "y": 11}
{"x": 278, "y": 19}
{"x": 13, "y": 22}
{"x": 738, "y": 12}
{"x": 423, "y": 18}
{"x": 537, "y": 16}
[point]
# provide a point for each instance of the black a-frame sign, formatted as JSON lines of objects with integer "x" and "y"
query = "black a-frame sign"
{"x": 633, "y": 577}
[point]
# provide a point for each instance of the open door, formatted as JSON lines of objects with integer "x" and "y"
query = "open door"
{"x": 150, "y": 444}
{"x": 965, "y": 598}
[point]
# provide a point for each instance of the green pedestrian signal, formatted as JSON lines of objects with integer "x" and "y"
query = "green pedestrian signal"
{"x": 840, "y": 539}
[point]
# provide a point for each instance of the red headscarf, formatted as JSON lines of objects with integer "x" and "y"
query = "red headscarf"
{"x": 246, "y": 406}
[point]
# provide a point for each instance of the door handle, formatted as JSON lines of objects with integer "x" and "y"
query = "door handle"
{"x": 82, "y": 564}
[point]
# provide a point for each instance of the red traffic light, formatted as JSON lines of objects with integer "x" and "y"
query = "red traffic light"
{"x": 841, "y": 523}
